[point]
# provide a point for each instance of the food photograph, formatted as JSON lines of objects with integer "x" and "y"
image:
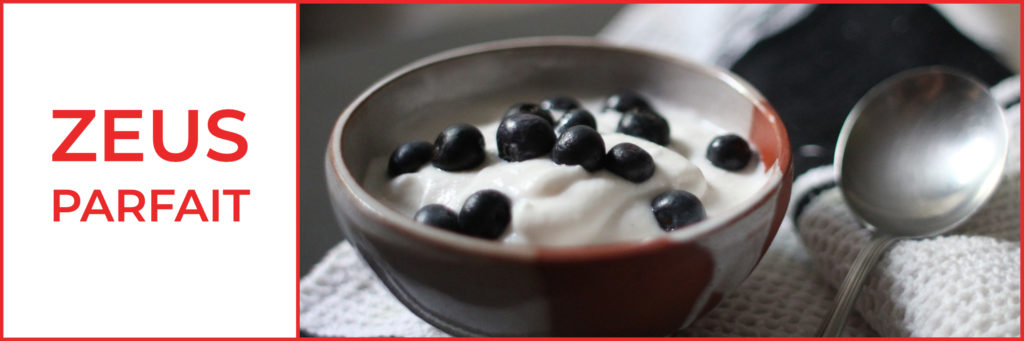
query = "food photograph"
{"x": 724, "y": 170}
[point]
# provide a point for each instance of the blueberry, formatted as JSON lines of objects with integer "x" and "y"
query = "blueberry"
{"x": 676, "y": 208}
{"x": 630, "y": 162}
{"x": 729, "y": 152}
{"x": 439, "y": 216}
{"x": 645, "y": 124}
{"x": 560, "y": 104}
{"x": 625, "y": 101}
{"x": 523, "y": 137}
{"x": 575, "y": 117}
{"x": 458, "y": 147}
{"x": 579, "y": 145}
{"x": 532, "y": 109}
{"x": 409, "y": 157}
{"x": 485, "y": 214}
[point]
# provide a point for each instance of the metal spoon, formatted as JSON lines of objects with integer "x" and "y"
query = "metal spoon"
{"x": 918, "y": 154}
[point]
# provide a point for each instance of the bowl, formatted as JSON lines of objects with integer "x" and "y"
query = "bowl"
{"x": 474, "y": 287}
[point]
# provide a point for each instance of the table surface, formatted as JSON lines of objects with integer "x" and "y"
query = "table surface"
{"x": 345, "y": 48}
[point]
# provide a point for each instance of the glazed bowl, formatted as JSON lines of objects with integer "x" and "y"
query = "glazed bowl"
{"x": 470, "y": 286}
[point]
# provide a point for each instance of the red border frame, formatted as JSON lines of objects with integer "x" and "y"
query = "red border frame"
{"x": 1, "y": 170}
{"x": 298, "y": 6}
{"x": 302, "y": 2}
{"x": 298, "y": 157}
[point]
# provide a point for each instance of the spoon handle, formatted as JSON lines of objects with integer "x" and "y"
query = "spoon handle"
{"x": 850, "y": 289}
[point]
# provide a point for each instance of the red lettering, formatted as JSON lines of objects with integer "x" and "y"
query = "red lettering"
{"x": 84, "y": 117}
{"x": 96, "y": 196}
{"x": 190, "y": 204}
{"x": 155, "y": 202}
{"x": 140, "y": 201}
{"x": 158, "y": 137}
{"x": 216, "y": 205}
{"x": 239, "y": 140}
{"x": 110, "y": 135}
{"x": 190, "y": 196}
{"x": 57, "y": 208}
{"x": 235, "y": 194}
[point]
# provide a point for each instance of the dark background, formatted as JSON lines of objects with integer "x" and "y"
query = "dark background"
{"x": 346, "y": 48}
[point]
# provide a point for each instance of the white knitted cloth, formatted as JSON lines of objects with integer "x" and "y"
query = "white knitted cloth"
{"x": 966, "y": 283}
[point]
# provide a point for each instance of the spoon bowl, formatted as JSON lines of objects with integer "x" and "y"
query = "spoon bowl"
{"x": 916, "y": 157}
{"x": 921, "y": 152}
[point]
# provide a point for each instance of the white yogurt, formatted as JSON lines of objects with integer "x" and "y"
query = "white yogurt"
{"x": 558, "y": 205}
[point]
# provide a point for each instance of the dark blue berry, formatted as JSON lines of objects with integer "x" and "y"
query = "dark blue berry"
{"x": 630, "y": 162}
{"x": 485, "y": 214}
{"x": 580, "y": 145}
{"x": 531, "y": 109}
{"x": 438, "y": 215}
{"x": 560, "y": 104}
{"x": 729, "y": 152}
{"x": 409, "y": 157}
{"x": 458, "y": 147}
{"x": 645, "y": 124}
{"x": 523, "y": 137}
{"x": 575, "y": 117}
{"x": 625, "y": 101}
{"x": 677, "y": 208}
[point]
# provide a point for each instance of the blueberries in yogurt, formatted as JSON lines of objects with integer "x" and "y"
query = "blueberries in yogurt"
{"x": 409, "y": 157}
{"x": 579, "y": 145}
{"x": 677, "y": 208}
{"x": 458, "y": 147}
{"x": 531, "y": 109}
{"x": 485, "y": 214}
{"x": 630, "y": 162}
{"x": 560, "y": 104}
{"x": 439, "y": 216}
{"x": 729, "y": 152}
{"x": 575, "y": 117}
{"x": 645, "y": 124}
{"x": 523, "y": 137}
{"x": 625, "y": 101}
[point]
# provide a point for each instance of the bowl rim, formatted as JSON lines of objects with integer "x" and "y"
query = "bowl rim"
{"x": 366, "y": 203}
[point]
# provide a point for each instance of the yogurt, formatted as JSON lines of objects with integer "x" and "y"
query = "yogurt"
{"x": 560, "y": 205}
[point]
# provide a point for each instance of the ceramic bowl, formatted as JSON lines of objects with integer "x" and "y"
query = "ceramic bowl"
{"x": 469, "y": 286}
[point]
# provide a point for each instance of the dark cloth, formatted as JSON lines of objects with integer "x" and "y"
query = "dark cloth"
{"x": 815, "y": 71}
